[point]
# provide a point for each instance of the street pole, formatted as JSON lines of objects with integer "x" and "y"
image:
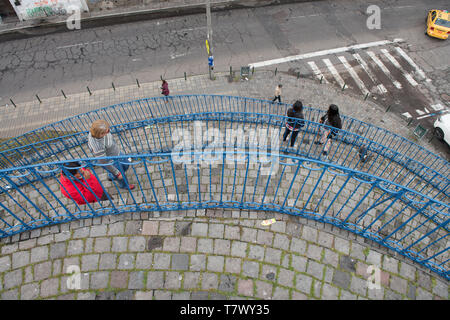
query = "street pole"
{"x": 209, "y": 40}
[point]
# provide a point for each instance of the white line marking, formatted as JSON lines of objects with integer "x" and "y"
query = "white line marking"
{"x": 78, "y": 44}
{"x": 372, "y": 77}
{"x": 412, "y": 63}
{"x": 334, "y": 72}
{"x": 354, "y": 75}
{"x": 396, "y": 64}
{"x": 420, "y": 112}
{"x": 426, "y": 110}
{"x": 437, "y": 107}
{"x": 322, "y": 53}
{"x": 407, "y": 115}
{"x": 384, "y": 69}
{"x": 426, "y": 116}
{"x": 316, "y": 71}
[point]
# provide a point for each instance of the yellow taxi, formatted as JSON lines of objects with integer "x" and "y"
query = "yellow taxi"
{"x": 438, "y": 24}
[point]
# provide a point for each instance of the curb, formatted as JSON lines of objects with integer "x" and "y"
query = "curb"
{"x": 48, "y": 27}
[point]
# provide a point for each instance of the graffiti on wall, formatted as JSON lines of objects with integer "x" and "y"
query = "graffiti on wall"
{"x": 32, "y": 9}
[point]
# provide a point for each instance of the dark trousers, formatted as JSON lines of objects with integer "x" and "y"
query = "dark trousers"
{"x": 293, "y": 136}
{"x": 277, "y": 97}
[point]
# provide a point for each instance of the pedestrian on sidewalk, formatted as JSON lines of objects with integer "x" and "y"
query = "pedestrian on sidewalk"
{"x": 332, "y": 119}
{"x": 165, "y": 90}
{"x": 101, "y": 144}
{"x": 81, "y": 185}
{"x": 294, "y": 121}
{"x": 278, "y": 93}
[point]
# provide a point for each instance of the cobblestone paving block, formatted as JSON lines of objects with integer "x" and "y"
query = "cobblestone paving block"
{"x": 441, "y": 289}
{"x": 249, "y": 235}
{"x": 42, "y": 270}
{"x": 391, "y": 295}
{"x": 102, "y": 245}
{"x": 198, "y": 262}
{"x": 119, "y": 244}
{"x": 216, "y": 230}
{"x": 126, "y": 261}
{"x": 358, "y": 286}
{"x": 89, "y": 245}
{"x": 314, "y": 252}
{"x": 342, "y": 245}
{"x": 375, "y": 293}
{"x": 75, "y": 247}
{"x": 303, "y": 283}
{"x": 330, "y": 258}
{"x": 63, "y": 236}
{"x": 325, "y": 239}
{"x": 346, "y": 263}
{"x": 57, "y": 267}
{"x": 263, "y": 289}
{"x": 298, "y": 296}
{"x": 48, "y": 239}
{"x": 107, "y": 261}
{"x": 341, "y": 279}
{"x": 99, "y": 280}
{"x": 215, "y": 263}
{"x": 317, "y": 287}
{"x": 155, "y": 279}
{"x": 20, "y": 259}
{"x": 199, "y": 229}
{"x": 423, "y": 295}
{"x": 272, "y": 256}
{"x": 39, "y": 254}
{"x": 279, "y": 226}
{"x": 424, "y": 280}
{"x": 374, "y": 258}
{"x": 181, "y": 296}
{"x": 222, "y": 246}
{"x": 29, "y": 291}
{"x": 238, "y": 249}
{"x": 298, "y": 245}
{"x": 144, "y": 260}
{"x": 150, "y": 228}
{"x": 362, "y": 269}
{"x": 233, "y": 265}
{"x": 10, "y": 295}
{"x": 329, "y": 292}
{"x": 98, "y": 231}
{"x": 89, "y": 262}
{"x": 136, "y": 280}
{"x": 171, "y": 244}
{"x": 9, "y": 248}
{"x": 5, "y": 263}
{"x": 398, "y": 284}
{"x": 117, "y": 228}
{"x": 180, "y": 262}
{"x": 315, "y": 269}
{"x": 357, "y": 251}
{"x": 256, "y": 252}
{"x": 200, "y": 295}
{"x": 280, "y": 293}
{"x": 209, "y": 281}
{"x": 12, "y": 279}
{"x": 390, "y": 264}
{"x": 298, "y": 263}
{"x": 250, "y": 269}
{"x": 346, "y": 295}
{"x": 134, "y": 227}
{"x": 188, "y": 244}
{"x": 119, "y": 279}
{"x": 80, "y": 233}
{"x": 136, "y": 244}
{"x": 411, "y": 293}
{"x": 191, "y": 280}
{"x": 108, "y": 295}
{"x": 205, "y": 245}
{"x": 232, "y": 232}
{"x": 227, "y": 283}
{"x": 309, "y": 234}
{"x": 143, "y": 295}
{"x": 286, "y": 277}
{"x": 281, "y": 241}
{"x": 408, "y": 271}
{"x": 49, "y": 287}
{"x": 264, "y": 237}
{"x": 245, "y": 287}
{"x": 28, "y": 244}
{"x": 125, "y": 295}
{"x": 329, "y": 272}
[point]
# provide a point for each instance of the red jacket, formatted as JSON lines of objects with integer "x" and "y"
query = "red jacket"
{"x": 165, "y": 89}
{"x": 69, "y": 190}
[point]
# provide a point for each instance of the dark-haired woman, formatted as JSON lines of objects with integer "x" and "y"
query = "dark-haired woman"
{"x": 294, "y": 121}
{"x": 332, "y": 119}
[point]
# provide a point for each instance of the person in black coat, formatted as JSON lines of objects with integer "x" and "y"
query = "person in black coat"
{"x": 294, "y": 121}
{"x": 332, "y": 119}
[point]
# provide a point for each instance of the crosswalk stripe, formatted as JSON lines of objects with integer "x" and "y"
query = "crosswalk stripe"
{"x": 316, "y": 71}
{"x": 334, "y": 72}
{"x": 354, "y": 75}
{"x": 437, "y": 107}
{"x": 384, "y": 69}
{"x": 420, "y": 112}
{"x": 372, "y": 77}
{"x": 412, "y": 63}
{"x": 407, "y": 115}
{"x": 395, "y": 63}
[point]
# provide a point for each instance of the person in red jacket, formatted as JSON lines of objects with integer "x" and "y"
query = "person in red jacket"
{"x": 80, "y": 184}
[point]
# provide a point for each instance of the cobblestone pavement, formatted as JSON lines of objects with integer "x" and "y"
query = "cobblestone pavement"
{"x": 213, "y": 254}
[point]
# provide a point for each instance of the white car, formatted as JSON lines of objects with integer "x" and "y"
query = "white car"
{"x": 442, "y": 128}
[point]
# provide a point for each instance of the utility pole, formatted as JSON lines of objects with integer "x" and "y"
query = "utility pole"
{"x": 209, "y": 45}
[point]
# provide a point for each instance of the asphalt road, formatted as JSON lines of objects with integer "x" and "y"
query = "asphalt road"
{"x": 147, "y": 50}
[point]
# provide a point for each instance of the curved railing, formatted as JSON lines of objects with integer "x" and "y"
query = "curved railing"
{"x": 187, "y": 104}
{"x": 146, "y": 136}
{"x": 392, "y": 215}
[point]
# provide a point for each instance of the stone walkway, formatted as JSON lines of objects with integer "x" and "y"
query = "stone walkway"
{"x": 213, "y": 254}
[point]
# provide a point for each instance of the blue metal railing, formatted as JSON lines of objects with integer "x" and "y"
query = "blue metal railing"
{"x": 394, "y": 216}
{"x": 188, "y": 104}
{"x": 139, "y": 137}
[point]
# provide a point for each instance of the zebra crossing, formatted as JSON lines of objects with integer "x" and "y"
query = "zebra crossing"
{"x": 380, "y": 71}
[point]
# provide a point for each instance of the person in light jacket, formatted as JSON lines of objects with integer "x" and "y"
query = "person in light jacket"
{"x": 278, "y": 93}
